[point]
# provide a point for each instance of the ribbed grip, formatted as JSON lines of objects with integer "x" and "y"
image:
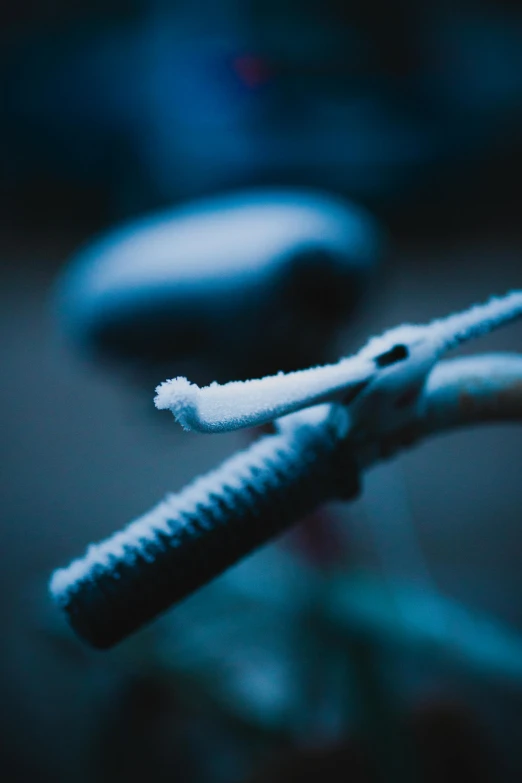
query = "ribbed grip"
{"x": 190, "y": 538}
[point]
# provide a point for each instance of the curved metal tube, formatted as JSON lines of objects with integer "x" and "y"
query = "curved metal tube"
{"x": 473, "y": 390}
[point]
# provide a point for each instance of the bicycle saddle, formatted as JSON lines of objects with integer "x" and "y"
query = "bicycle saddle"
{"x": 248, "y": 283}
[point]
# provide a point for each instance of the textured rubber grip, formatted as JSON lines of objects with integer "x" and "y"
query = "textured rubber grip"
{"x": 190, "y": 538}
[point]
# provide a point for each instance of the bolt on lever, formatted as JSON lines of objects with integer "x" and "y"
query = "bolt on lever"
{"x": 340, "y": 415}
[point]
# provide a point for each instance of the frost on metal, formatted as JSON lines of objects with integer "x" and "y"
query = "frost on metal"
{"x": 479, "y": 320}
{"x": 217, "y": 408}
{"x": 239, "y": 404}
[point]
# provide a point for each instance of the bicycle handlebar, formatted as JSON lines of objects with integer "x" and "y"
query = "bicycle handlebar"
{"x": 190, "y": 538}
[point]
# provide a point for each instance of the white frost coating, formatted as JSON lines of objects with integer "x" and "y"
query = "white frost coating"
{"x": 235, "y": 474}
{"x": 478, "y": 320}
{"x": 218, "y": 408}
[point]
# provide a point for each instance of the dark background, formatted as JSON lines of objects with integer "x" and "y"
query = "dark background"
{"x": 114, "y": 109}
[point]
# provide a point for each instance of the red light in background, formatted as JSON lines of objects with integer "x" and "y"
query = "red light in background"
{"x": 252, "y": 70}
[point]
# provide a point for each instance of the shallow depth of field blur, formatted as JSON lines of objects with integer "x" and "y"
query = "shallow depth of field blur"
{"x": 112, "y": 110}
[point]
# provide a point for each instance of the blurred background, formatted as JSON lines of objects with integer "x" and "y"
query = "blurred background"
{"x": 410, "y": 112}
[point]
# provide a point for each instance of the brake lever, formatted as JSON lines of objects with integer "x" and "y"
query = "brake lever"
{"x": 379, "y": 384}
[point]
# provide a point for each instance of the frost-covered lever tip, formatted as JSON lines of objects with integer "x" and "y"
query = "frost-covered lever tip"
{"x": 217, "y": 408}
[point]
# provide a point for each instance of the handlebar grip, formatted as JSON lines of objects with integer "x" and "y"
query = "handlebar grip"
{"x": 188, "y": 539}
